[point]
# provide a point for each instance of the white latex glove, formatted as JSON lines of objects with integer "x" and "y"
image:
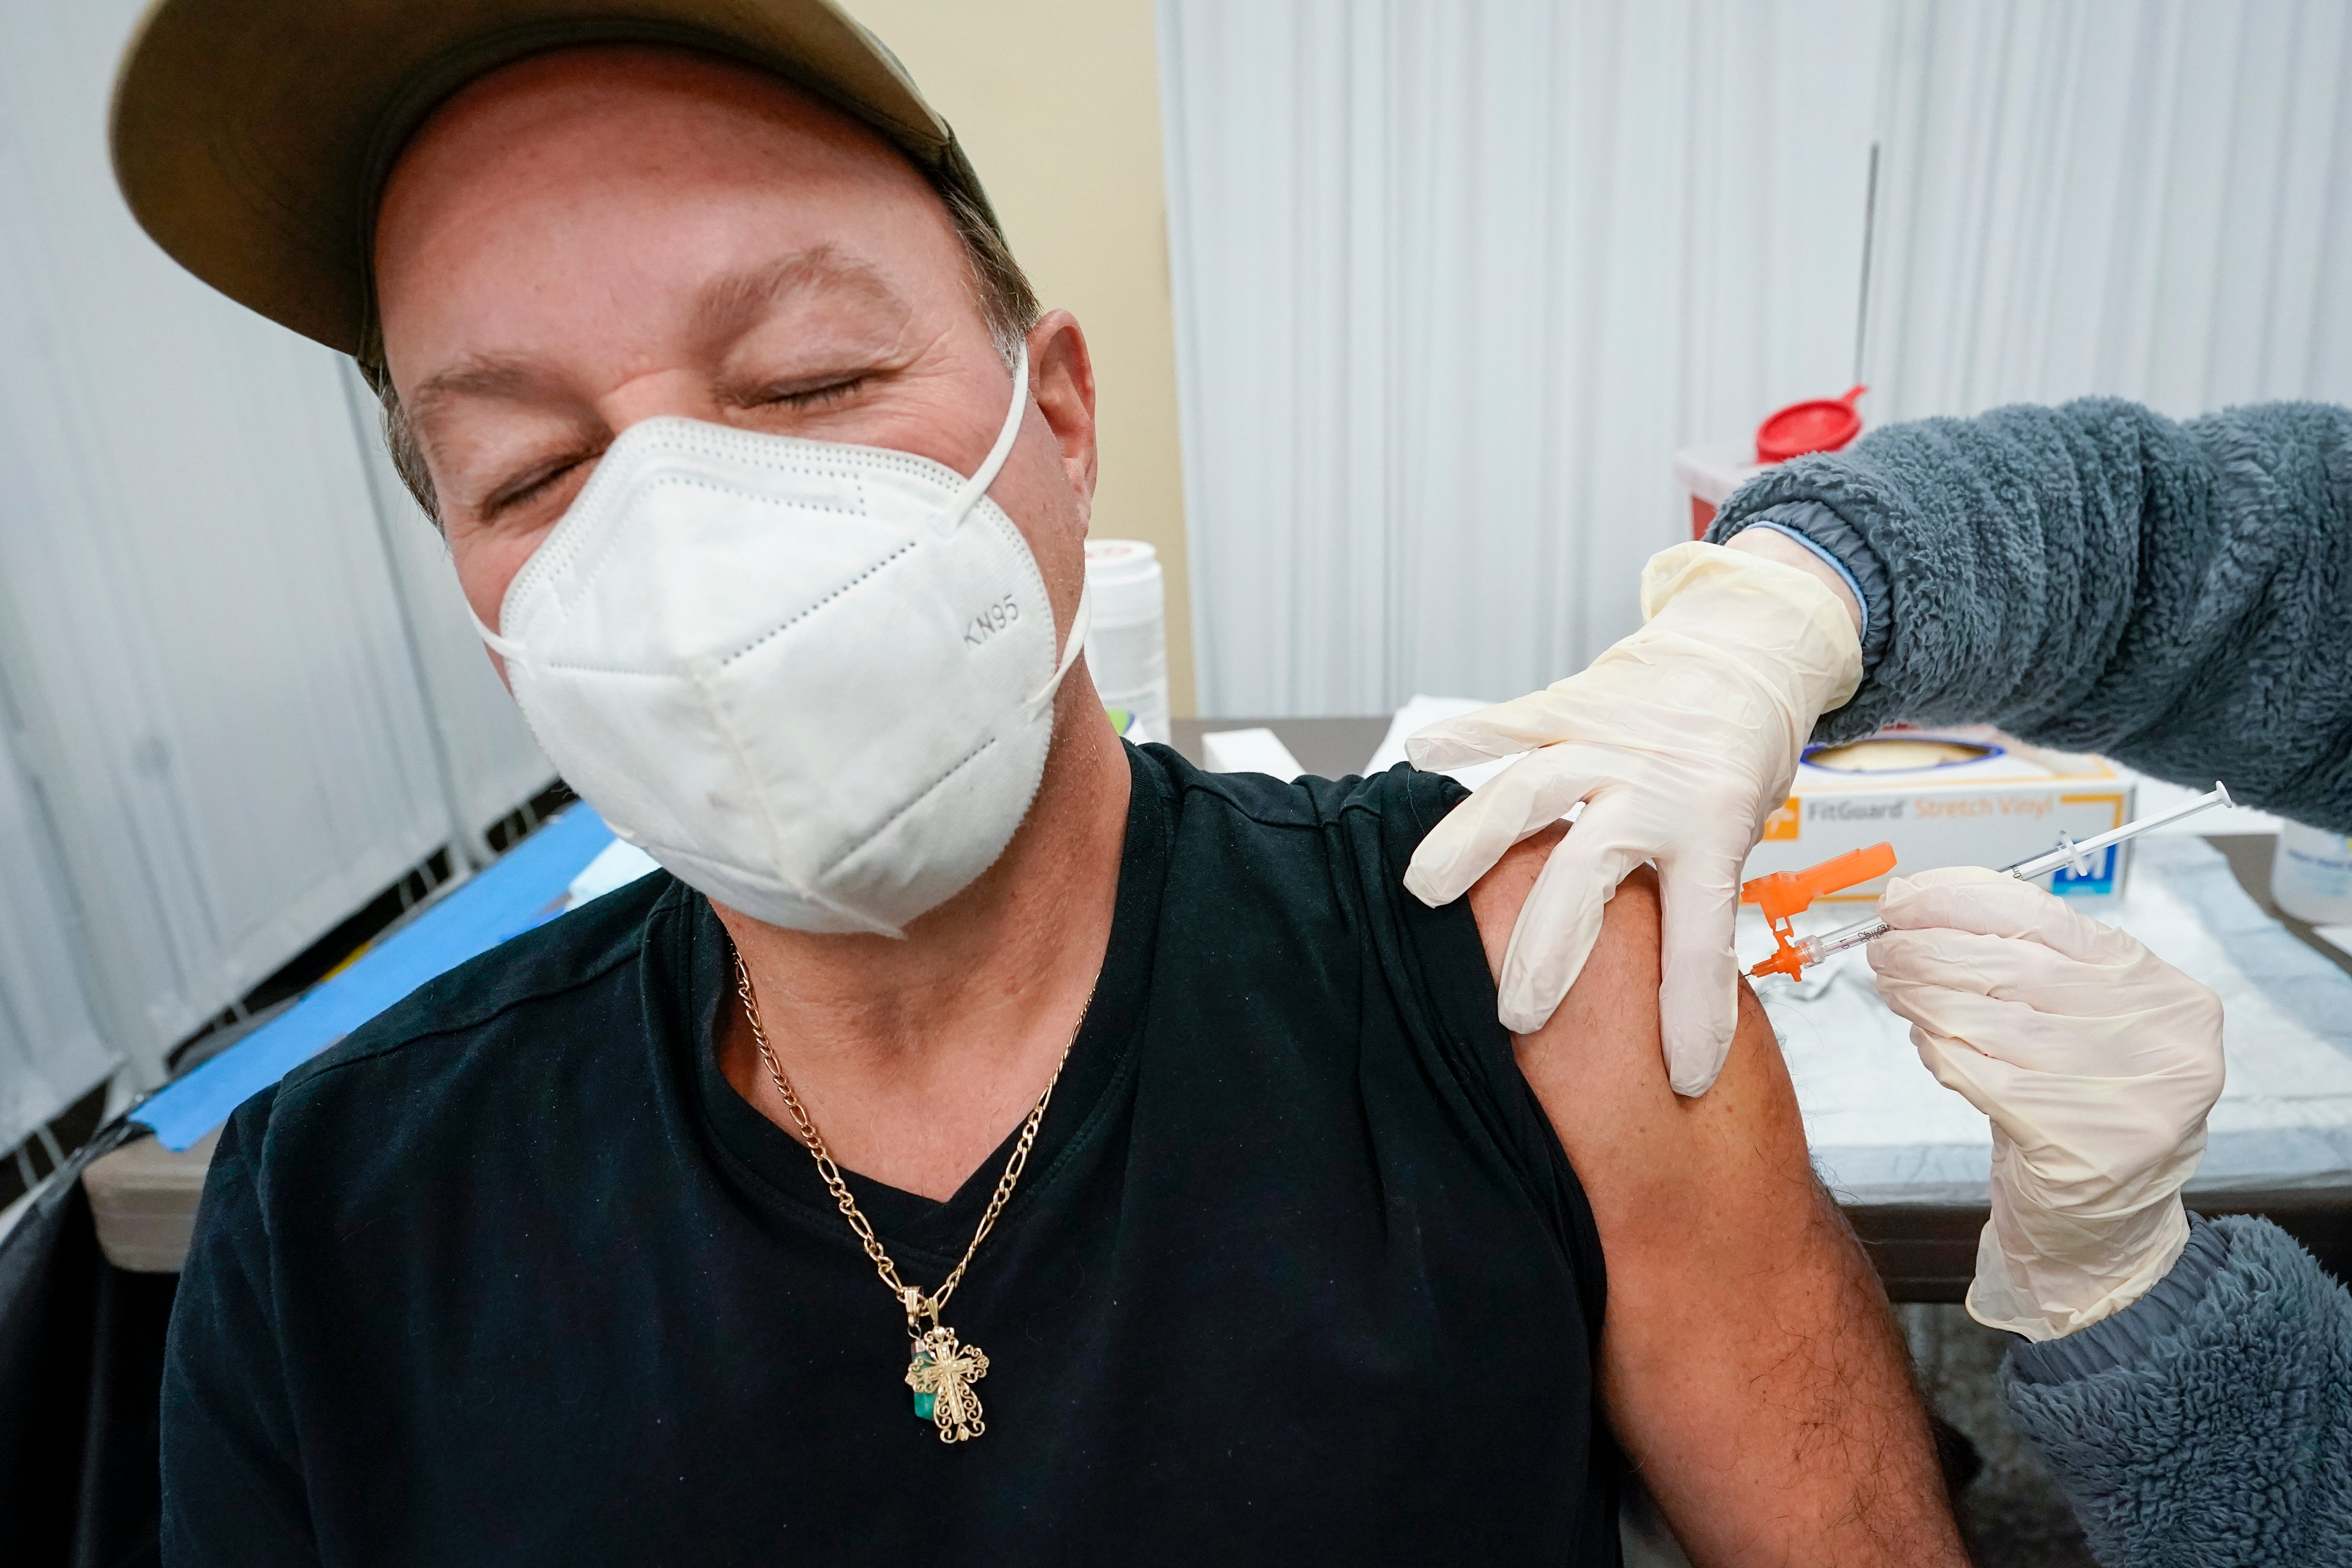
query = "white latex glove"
{"x": 2097, "y": 1062}
{"x": 1681, "y": 740}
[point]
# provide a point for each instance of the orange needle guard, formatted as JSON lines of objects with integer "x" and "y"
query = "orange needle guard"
{"x": 1785, "y": 894}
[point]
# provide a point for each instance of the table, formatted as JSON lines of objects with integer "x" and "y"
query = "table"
{"x": 1923, "y": 1252}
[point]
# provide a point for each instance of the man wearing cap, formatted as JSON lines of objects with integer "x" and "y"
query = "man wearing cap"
{"x": 991, "y": 1141}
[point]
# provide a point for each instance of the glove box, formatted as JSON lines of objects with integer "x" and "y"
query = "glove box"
{"x": 1948, "y": 797}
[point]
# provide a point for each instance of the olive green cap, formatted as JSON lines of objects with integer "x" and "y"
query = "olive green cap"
{"x": 252, "y": 138}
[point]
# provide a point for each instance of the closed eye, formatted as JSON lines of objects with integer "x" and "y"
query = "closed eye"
{"x": 533, "y": 483}
{"x": 785, "y": 394}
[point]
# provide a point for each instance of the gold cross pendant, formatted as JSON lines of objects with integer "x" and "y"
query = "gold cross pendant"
{"x": 942, "y": 1375}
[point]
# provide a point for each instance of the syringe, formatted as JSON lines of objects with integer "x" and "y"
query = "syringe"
{"x": 1810, "y": 950}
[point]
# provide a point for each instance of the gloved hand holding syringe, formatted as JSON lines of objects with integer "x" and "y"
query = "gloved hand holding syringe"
{"x": 1785, "y": 894}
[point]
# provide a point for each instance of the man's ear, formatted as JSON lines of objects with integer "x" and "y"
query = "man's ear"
{"x": 1062, "y": 379}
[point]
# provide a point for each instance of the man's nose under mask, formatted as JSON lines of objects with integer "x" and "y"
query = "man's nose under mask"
{"x": 815, "y": 681}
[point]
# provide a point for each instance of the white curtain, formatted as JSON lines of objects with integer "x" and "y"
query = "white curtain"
{"x": 216, "y": 699}
{"x": 1456, "y": 277}
{"x": 51, "y": 1052}
{"x": 1453, "y": 279}
{"x": 489, "y": 761}
{"x": 2146, "y": 198}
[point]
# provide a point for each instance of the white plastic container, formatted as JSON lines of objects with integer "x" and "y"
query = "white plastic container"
{"x": 1127, "y": 642}
{"x": 2310, "y": 876}
{"x": 1708, "y": 475}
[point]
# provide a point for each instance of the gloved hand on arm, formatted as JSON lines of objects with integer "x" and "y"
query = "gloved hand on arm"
{"x": 1680, "y": 741}
{"x": 2097, "y": 1063}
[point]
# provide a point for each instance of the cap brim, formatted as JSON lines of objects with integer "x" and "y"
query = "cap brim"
{"x": 252, "y": 137}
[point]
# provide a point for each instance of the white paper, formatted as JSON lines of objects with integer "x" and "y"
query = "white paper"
{"x": 620, "y": 864}
{"x": 1418, "y": 713}
{"x": 1258, "y": 750}
{"x": 1883, "y": 1131}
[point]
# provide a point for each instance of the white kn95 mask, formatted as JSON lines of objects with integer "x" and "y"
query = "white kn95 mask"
{"x": 815, "y": 681}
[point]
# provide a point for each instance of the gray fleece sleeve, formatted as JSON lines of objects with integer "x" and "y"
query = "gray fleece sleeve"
{"x": 2098, "y": 578}
{"x": 2210, "y": 1422}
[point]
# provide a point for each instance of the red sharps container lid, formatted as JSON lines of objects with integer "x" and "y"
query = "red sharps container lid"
{"x": 1823, "y": 425}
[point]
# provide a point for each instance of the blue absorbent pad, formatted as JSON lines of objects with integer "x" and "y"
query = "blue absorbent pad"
{"x": 521, "y": 888}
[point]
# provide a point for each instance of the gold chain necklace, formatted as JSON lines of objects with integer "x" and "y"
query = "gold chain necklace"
{"x": 939, "y": 1371}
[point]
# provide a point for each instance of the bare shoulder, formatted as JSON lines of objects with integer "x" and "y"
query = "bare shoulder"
{"x": 1599, "y": 1068}
{"x": 1620, "y": 983}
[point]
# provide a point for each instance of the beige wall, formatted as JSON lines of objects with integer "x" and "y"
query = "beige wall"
{"x": 1057, "y": 101}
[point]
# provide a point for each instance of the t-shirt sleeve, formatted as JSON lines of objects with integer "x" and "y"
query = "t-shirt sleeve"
{"x": 1436, "y": 958}
{"x": 232, "y": 1476}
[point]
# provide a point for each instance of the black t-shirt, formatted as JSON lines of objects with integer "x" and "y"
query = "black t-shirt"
{"x": 1298, "y": 1271}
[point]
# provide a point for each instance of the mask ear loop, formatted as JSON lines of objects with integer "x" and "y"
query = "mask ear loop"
{"x": 1075, "y": 644}
{"x": 977, "y": 486}
{"x": 505, "y": 648}
{"x": 985, "y": 475}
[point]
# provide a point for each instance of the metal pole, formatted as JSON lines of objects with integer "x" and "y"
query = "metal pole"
{"x": 1869, "y": 228}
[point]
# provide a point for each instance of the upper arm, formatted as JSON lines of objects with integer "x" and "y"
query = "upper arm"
{"x": 1748, "y": 1360}
{"x": 1640, "y": 1150}
{"x": 232, "y": 1481}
